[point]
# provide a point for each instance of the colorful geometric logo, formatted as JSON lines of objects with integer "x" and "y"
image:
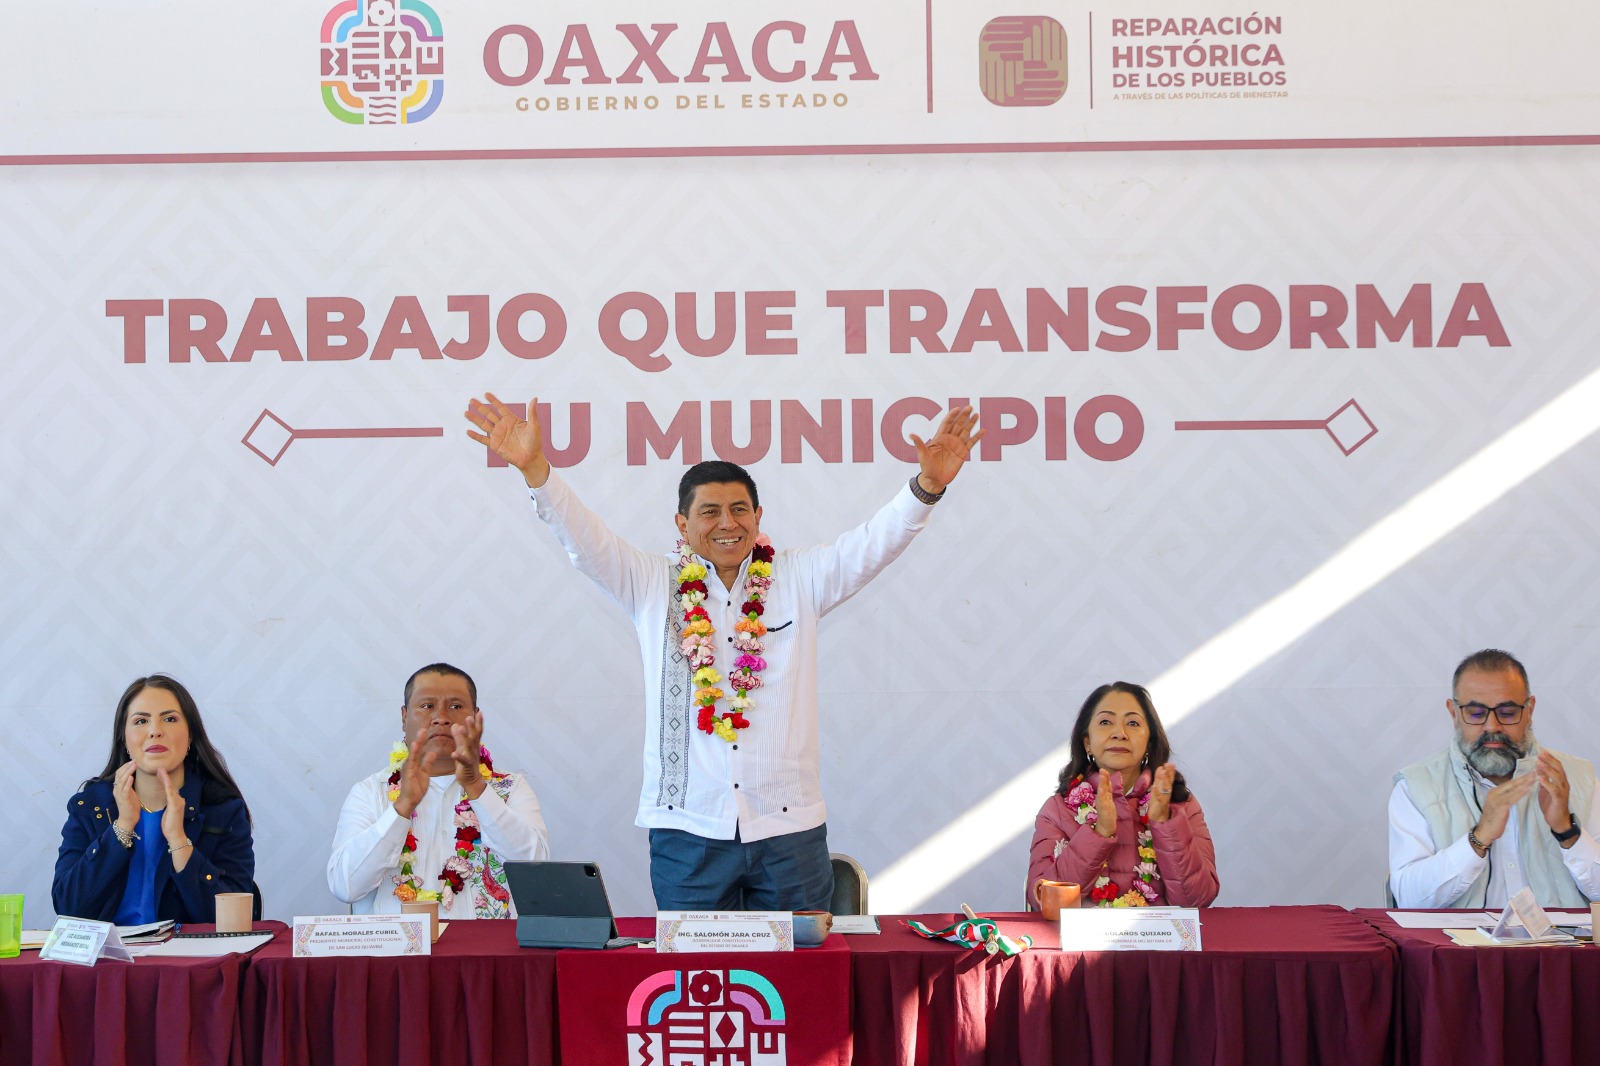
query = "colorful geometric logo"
{"x": 706, "y": 1018}
{"x": 1022, "y": 61}
{"x": 382, "y": 62}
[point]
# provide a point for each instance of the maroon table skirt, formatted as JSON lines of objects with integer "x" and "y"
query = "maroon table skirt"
{"x": 629, "y": 1005}
{"x": 479, "y": 998}
{"x": 1281, "y": 985}
{"x": 160, "y": 1011}
{"x": 1499, "y": 1006}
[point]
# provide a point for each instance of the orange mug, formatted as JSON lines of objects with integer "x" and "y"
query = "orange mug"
{"x": 1053, "y": 897}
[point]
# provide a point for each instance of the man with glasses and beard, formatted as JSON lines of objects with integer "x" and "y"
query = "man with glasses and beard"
{"x": 1493, "y": 813}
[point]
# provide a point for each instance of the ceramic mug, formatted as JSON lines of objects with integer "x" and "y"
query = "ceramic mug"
{"x": 430, "y": 907}
{"x": 233, "y": 911}
{"x": 811, "y": 928}
{"x": 1053, "y": 897}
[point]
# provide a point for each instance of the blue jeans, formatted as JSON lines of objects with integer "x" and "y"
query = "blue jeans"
{"x": 784, "y": 873}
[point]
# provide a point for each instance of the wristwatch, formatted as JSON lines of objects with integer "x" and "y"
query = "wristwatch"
{"x": 1572, "y": 831}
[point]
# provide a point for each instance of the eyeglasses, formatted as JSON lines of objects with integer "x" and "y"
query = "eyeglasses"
{"x": 1477, "y": 713}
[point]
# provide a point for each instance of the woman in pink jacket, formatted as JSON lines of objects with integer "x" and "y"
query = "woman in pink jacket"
{"x": 1123, "y": 824}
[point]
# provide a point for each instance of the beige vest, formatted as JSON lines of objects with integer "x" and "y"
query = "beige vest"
{"x": 1442, "y": 789}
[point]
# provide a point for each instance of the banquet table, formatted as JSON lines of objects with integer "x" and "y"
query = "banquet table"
{"x": 1492, "y": 1005}
{"x": 160, "y": 1011}
{"x": 479, "y": 998}
{"x": 1272, "y": 984}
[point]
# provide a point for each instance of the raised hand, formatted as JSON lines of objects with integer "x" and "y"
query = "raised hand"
{"x": 468, "y": 736}
{"x": 1161, "y": 793}
{"x": 127, "y": 796}
{"x": 1497, "y": 805}
{"x": 1105, "y": 805}
{"x": 519, "y": 442}
{"x": 1554, "y": 792}
{"x": 172, "y": 822}
{"x": 413, "y": 779}
{"x": 943, "y": 454}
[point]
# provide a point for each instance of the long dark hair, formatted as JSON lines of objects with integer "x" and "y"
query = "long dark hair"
{"x": 216, "y": 783}
{"x": 1158, "y": 752}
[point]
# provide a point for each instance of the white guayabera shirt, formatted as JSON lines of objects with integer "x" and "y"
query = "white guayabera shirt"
{"x": 766, "y": 783}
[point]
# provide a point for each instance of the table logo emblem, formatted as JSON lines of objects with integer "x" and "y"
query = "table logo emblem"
{"x": 382, "y": 62}
{"x": 706, "y": 1018}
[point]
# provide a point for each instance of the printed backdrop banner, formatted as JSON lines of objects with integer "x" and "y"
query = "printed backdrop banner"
{"x": 348, "y": 78}
{"x": 1283, "y": 433}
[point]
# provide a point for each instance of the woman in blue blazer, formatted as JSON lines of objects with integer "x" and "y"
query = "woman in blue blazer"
{"x": 163, "y": 828}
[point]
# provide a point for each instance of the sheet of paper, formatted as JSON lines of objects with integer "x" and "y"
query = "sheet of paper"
{"x": 1581, "y": 919}
{"x": 33, "y": 939}
{"x": 203, "y": 946}
{"x": 856, "y": 923}
{"x": 1439, "y": 920}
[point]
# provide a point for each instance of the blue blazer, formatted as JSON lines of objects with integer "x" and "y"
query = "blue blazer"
{"x": 92, "y": 867}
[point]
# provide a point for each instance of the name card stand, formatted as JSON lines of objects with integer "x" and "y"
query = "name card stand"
{"x": 329, "y": 935}
{"x": 1130, "y": 929}
{"x": 84, "y": 942}
{"x": 1525, "y": 922}
{"x": 689, "y": 931}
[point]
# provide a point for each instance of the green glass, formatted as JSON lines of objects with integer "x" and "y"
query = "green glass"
{"x": 10, "y": 926}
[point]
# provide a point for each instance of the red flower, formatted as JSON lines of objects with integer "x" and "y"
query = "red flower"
{"x": 411, "y": 842}
{"x": 763, "y": 552}
{"x": 753, "y": 607}
{"x": 1107, "y": 891}
{"x": 707, "y": 716}
{"x": 468, "y": 833}
{"x": 694, "y": 586}
{"x": 454, "y": 880}
{"x": 737, "y": 720}
{"x": 695, "y": 612}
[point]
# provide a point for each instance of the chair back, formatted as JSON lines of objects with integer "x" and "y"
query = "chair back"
{"x": 849, "y": 885}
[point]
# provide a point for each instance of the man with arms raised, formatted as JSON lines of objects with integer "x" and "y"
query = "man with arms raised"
{"x": 1494, "y": 813}
{"x": 728, "y": 629}
{"x": 441, "y": 820}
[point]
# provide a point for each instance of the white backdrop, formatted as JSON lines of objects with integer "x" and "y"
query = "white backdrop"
{"x": 1299, "y": 610}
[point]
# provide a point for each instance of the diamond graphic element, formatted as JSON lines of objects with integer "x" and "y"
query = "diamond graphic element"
{"x": 1349, "y": 426}
{"x": 270, "y": 436}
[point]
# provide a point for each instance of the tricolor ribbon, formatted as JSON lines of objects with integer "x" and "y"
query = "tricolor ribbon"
{"x": 975, "y": 933}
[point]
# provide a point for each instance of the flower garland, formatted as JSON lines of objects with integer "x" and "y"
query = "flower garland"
{"x": 1105, "y": 892}
{"x": 701, "y": 652}
{"x": 472, "y": 861}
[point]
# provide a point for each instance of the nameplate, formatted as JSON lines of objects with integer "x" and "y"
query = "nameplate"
{"x": 84, "y": 942}
{"x": 1523, "y": 918}
{"x": 1130, "y": 929}
{"x": 684, "y": 931}
{"x": 327, "y": 935}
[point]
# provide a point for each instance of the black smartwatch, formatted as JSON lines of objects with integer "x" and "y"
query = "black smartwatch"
{"x": 1572, "y": 831}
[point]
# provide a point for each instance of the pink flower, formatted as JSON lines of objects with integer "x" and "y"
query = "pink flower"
{"x": 1146, "y": 869}
{"x": 751, "y": 683}
{"x": 750, "y": 662}
{"x": 1147, "y": 890}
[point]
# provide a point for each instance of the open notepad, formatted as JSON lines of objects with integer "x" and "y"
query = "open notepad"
{"x": 204, "y": 945}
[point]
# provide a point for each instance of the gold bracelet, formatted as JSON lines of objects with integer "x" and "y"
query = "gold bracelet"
{"x": 180, "y": 847}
